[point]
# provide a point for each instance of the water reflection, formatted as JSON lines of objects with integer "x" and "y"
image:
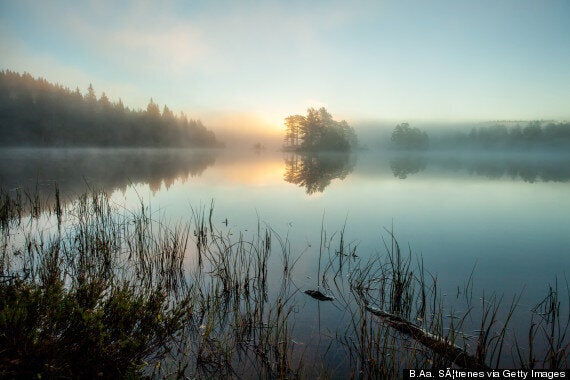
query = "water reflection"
{"x": 403, "y": 166}
{"x": 533, "y": 168}
{"x": 315, "y": 172}
{"x": 106, "y": 169}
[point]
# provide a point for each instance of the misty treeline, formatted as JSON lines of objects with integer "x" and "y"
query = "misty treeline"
{"x": 35, "y": 112}
{"x": 317, "y": 131}
{"x": 532, "y": 135}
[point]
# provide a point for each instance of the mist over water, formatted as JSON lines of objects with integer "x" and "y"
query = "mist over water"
{"x": 503, "y": 217}
{"x": 200, "y": 137}
{"x": 493, "y": 210}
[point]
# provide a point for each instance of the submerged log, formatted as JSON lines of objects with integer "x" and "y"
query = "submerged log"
{"x": 436, "y": 343}
{"x": 316, "y": 294}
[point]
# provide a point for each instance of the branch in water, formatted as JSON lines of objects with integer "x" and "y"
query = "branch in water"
{"x": 434, "y": 342}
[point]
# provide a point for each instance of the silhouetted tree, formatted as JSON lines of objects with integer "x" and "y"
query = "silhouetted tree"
{"x": 119, "y": 106}
{"x": 152, "y": 109}
{"x": 104, "y": 101}
{"x": 293, "y": 125}
{"x": 167, "y": 113}
{"x": 318, "y": 131}
{"x": 77, "y": 95}
{"x": 406, "y": 137}
{"x": 90, "y": 97}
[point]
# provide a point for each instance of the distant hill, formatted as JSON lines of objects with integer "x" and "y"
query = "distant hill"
{"x": 35, "y": 112}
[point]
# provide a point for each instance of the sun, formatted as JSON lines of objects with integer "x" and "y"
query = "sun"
{"x": 273, "y": 122}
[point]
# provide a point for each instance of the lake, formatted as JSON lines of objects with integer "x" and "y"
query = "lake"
{"x": 503, "y": 217}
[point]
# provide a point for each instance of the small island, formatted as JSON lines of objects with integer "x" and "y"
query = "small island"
{"x": 318, "y": 131}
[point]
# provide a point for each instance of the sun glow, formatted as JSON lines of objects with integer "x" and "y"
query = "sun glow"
{"x": 243, "y": 129}
{"x": 252, "y": 170}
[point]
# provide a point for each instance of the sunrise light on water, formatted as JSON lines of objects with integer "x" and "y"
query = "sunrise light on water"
{"x": 284, "y": 189}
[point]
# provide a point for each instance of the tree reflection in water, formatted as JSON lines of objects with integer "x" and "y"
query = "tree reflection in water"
{"x": 74, "y": 170}
{"x": 402, "y": 166}
{"x": 315, "y": 171}
{"x": 532, "y": 168}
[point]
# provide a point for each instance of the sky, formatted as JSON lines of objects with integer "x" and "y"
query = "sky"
{"x": 244, "y": 65}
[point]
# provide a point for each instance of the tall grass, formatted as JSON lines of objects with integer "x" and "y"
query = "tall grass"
{"x": 116, "y": 293}
{"x": 98, "y": 290}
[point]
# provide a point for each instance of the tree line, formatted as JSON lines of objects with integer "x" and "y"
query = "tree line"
{"x": 317, "y": 131}
{"x": 35, "y": 112}
{"x": 535, "y": 135}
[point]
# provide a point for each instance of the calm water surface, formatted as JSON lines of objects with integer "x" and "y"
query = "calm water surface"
{"x": 507, "y": 216}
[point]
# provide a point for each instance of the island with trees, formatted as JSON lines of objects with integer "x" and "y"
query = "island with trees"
{"x": 37, "y": 113}
{"x": 408, "y": 138}
{"x": 318, "y": 131}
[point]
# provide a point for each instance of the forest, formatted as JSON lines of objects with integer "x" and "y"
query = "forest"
{"x": 533, "y": 135}
{"x": 37, "y": 113}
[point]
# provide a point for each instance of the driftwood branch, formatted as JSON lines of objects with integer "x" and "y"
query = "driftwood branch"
{"x": 436, "y": 343}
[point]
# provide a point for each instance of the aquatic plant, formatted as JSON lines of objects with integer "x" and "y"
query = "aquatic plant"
{"x": 93, "y": 289}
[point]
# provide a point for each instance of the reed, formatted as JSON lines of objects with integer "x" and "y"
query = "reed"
{"x": 105, "y": 291}
{"x": 549, "y": 327}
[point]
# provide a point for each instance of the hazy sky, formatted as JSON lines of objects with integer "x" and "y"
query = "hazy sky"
{"x": 263, "y": 60}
